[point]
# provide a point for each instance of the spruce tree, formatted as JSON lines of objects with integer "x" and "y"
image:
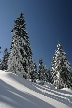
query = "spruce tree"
{"x": 20, "y": 51}
{"x": 60, "y": 68}
{"x": 44, "y": 72}
{"x": 41, "y": 70}
{"x": 47, "y": 74}
{"x": 4, "y": 61}
{"x": 33, "y": 71}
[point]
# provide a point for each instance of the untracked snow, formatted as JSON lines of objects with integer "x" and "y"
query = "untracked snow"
{"x": 17, "y": 92}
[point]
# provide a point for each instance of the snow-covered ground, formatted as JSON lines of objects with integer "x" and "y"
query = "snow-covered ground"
{"x": 16, "y": 92}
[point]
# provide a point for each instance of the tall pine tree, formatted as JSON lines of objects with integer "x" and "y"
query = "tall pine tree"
{"x": 47, "y": 74}
{"x": 44, "y": 72}
{"x": 20, "y": 51}
{"x": 4, "y": 61}
{"x": 60, "y": 68}
{"x": 33, "y": 71}
{"x": 41, "y": 70}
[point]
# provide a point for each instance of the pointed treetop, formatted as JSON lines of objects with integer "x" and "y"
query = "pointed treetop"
{"x": 21, "y": 15}
{"x": 59, "y": 46}
{"x": 5, "y": 50}
{"x": 40, "y": 61}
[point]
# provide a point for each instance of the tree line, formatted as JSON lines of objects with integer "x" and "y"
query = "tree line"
{"x": 19, "y": 60}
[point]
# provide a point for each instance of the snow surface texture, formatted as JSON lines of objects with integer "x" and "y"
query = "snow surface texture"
{"x": 17, "y": 92}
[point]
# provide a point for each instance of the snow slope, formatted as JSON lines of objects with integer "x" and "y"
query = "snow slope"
{"x": 16, "y": 92}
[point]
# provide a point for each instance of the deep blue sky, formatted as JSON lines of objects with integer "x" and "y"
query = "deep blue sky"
{"x": 47, "y": 21}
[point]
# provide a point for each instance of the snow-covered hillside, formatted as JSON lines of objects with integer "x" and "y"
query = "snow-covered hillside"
{"x": 16, "y": 92}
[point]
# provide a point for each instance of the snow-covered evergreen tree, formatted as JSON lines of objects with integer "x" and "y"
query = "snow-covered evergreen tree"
{"x": 44, "y": 72}
{"x": 41, "y": 70}
{"x": 47, "y": 74}
{"x": 20, "y": 51}
{"x": 33, "y": 71}
{"x": 4, "y": 61}
{"x": 60, "y": 68}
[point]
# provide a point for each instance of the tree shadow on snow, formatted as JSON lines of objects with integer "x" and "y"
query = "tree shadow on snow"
{"x": 24, "y": 82}
{"x": 18, "y": 99}
{"x": 56, "y": 96}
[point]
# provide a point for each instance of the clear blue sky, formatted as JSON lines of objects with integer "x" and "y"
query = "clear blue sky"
{"x": 47, "y": 21}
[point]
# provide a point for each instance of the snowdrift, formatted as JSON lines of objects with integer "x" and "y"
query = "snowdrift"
{"x": 17, "y": 92}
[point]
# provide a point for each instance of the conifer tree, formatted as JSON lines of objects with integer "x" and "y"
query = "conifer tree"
{"x": 41, "y": 70}
{"x": 4, "y": 65}
{"x": 60, "y": 68}
{"x": 47, "y": 74}
{"x": 44, "y": 72}
{"x": 20, "y": 51}
{"x": 33, "y": 71}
